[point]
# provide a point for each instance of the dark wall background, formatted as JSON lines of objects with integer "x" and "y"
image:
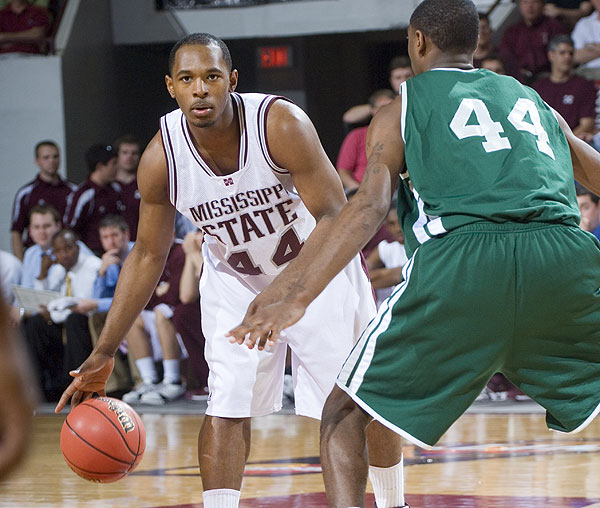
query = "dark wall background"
{"x": 335, "y": 72}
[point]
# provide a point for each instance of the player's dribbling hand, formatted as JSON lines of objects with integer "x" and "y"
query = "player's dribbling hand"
{"x": 263, "y": 324}
{"x": 90, "y": 378}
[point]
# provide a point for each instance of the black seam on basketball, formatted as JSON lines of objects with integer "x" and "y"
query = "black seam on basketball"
{"x": 115, "y": 426}
{"x": 138, "y": 420}
{"x": 72, "y": 465}
{"x": 94, "y": 447}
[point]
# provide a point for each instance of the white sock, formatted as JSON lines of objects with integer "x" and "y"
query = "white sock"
{"x": 171, "y": 371}
{"x": 147, "y": 369}
{"x": 388, "y": 485}
{"x": 221, "y": 498}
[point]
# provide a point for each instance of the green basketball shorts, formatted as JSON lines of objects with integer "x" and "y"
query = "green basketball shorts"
{"x": 521, "y": 299}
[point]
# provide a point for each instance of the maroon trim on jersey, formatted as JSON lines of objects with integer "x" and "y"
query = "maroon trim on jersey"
{"x": 243, "y": 155}
{"x": 197, "y": 155}
{"x": 171, "y": 164}
{"x": 363, "y": 263}
{"x": 262, "y": 129}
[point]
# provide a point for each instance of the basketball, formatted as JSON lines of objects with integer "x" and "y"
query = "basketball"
{"x": 103, "y": 439}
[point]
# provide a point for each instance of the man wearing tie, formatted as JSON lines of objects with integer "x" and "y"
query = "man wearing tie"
{"x": 59, "y": 337}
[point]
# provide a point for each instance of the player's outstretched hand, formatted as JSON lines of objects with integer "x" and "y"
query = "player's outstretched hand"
{"x": 263, "y": 324}
{"x": 90, "y": 378}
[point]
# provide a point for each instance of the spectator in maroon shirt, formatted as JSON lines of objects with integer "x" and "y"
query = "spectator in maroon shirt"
{"x": 21, "y": 24}
{"x": 128, "y": 157}
{"x": 572, "y": 96}
{"x": 46, "y": 188}
{"x": 95, "y": 198}
{"x": 524, "y": 44}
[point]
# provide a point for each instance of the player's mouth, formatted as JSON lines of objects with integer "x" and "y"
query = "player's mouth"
{"x": 201, "y": 110}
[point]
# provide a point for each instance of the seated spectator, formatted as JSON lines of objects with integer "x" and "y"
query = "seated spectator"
{"x": 352, "y": 159}
{"x": 114, "y": 237}
{"x": 400, "y": 70}
{"x": 568, "y": 12}
{"x": 73, "y": 276}
{"x": 572, "y": 96}
{"x": 128, "y": 151}
{"x": 46, "y": 188}
{"x": 153, "y": 338}
{"x": 385, "y": 262}
{"x": 23, "y": 27}
{"x": 485, "y": 46}
{"x": 524, "y": 44}
{"x": 44, "y": 222}
{"x": 187, "y": 316}
{"x": 590, "y": 210}
{"x": 95, "y": 198}
{"x": 586, "y": 38}
{"x": 493, "y": 63}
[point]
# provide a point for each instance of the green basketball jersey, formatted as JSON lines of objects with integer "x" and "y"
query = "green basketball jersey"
{"x": 480, "y": 147}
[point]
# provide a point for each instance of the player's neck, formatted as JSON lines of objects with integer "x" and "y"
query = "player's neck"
{"x": 436, "y": 59}
{"x": 452, "y": 64}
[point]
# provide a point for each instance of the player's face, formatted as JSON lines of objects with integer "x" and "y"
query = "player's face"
{"x": 41, "y": 228}
{"x": 399, "y": 76}
{"x": 531, "y": 10}
{"x": 590, "y": 213}
{"x": 201, "y": 83}
{"x": 128, "y": 157}
{"x": 562, "y": 57}
{"x": 66, "y": 252}
{"x": 112, "y": 238}
{"x": 48, "y": 160}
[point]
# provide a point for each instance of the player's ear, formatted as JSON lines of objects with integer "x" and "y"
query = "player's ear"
{"x": 233, "y": 79}
{"x": 420, "y": 42}
{"x": 169, "y": 83}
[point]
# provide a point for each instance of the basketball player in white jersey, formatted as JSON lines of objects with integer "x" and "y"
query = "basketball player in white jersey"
{"x": 250, "y": 172}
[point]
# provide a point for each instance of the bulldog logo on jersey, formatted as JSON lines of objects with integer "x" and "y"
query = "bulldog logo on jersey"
{"x": 228, "y": 182}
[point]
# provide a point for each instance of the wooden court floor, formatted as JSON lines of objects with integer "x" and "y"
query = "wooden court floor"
{"x": 485, "y": 460}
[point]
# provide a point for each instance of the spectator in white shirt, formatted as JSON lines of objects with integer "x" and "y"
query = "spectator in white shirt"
{"x": 61, "y": 341}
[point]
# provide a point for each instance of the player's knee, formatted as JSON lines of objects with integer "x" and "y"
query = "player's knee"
{"x": 339, "y": 406}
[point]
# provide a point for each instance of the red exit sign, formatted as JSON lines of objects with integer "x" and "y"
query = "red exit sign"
{"x": 275, "y": 57}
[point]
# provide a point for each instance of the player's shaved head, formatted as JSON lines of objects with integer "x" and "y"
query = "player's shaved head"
{"x": 452, "y": 25}
{"x": 200, "y": 39}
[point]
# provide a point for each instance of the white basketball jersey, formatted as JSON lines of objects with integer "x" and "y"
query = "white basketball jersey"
{"x": 253, "y": 220}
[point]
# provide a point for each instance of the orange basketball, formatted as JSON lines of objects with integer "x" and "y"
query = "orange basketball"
{"x": 103, "y": 439}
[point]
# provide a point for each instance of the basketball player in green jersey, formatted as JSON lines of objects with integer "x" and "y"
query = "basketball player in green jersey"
{"x": 500, "y": 276}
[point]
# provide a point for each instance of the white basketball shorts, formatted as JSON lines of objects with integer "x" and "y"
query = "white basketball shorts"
{"x": 246, "y": 382}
